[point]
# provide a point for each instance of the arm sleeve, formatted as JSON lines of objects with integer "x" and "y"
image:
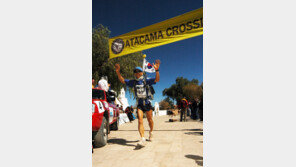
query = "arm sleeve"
{"x": 151, "y": 81}
{"x": 129, "y": 83}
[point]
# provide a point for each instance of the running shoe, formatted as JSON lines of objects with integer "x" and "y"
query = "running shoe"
{"x": 150, "y": 136}
{"x": 142, "y": 142}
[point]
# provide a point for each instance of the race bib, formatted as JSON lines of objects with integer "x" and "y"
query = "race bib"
{"x": 141, "y": 91}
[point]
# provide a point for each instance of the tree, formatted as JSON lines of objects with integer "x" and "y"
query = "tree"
{"x": 192, "y": 91}
{"x": 177, "y": 91}
{"x": 171, "y": 92}
{"x": 164, "y": 105}
{"x": 170, "y": 102}
{"x": 102, "y": 66}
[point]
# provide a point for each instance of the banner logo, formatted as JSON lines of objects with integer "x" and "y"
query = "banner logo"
{"x": 117, "y": 46}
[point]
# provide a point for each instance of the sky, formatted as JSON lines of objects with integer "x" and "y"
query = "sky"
{"x": 180, "y": 59}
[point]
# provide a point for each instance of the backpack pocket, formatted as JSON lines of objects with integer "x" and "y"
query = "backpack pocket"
{"x": 141, "y": 91}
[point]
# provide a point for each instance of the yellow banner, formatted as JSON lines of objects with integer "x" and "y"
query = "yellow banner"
{"x": 175, "y": 29}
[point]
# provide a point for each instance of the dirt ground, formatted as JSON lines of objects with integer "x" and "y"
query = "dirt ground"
{"x": 175, "y": 144}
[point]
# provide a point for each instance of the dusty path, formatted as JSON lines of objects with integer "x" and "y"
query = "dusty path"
{"x": 175, "y": 144}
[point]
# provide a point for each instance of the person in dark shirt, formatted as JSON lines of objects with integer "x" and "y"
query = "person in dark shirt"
{"x": 200, "y": 109}
{"x": 183, "y": 105}
{"x": 129, "y": 114}
{"x": 194, "y": 108}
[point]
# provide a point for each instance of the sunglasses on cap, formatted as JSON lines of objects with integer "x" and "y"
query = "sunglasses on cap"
{"x": 137, "y": 71}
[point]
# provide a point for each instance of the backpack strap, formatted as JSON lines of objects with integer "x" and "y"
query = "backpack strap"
{"x": 147, "y": 87}
{"x": 135, "y": 89}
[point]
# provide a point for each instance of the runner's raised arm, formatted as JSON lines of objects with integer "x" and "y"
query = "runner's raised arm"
{"x": 156, "y": 66}
{"x": 117, "y": 68}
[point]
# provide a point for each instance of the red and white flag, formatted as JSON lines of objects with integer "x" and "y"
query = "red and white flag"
{"x": 147, "y": 67}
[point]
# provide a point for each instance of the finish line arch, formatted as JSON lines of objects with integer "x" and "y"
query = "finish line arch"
{"x": 178, "y": 28}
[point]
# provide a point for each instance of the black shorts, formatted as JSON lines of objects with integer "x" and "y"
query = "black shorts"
{"x": 145, "y": 108}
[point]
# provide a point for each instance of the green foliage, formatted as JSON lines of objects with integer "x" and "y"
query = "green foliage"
{"x": 170, "y": 102}
{"x": 102, "y": 66}
{"x": 164, "y": 105}
{"x": 183, "y": 88}
{"x": 192, "y": 91}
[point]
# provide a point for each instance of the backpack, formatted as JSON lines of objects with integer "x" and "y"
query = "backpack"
{"x": 149, "y": 89}
{"x": 184, "y": 103}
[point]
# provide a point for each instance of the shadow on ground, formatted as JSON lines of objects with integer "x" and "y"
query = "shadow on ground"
{"x": 198, "y": 159}
{"x": 138, "y": 147}
{"x": 121, "y": 142}
{"x": 178, "y": 120}
{"x": 198, "y": 132}
{"x": 169, "y": 130}
{"x": 124, "y": 142}
{"x": 194, "y": 133}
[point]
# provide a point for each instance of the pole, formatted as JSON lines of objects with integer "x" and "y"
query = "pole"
{"x": 144, "y": 56}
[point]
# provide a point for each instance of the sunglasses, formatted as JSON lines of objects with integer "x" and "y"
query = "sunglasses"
{"x": 137, "y": 71}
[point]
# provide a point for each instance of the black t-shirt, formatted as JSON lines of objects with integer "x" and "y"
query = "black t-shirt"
{"x": 194, "y": 105}
{"x": 200, "y": 105}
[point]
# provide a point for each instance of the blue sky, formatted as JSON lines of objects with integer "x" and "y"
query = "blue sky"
{"x": 180, "y": 59}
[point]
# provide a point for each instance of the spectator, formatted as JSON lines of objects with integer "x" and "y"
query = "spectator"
{"x": 200, "y": 109}
{"x": 183, "y": 105}
{"x": 189, "y": 110}
{"x": 194, "y": 108}
{"x": 178, "y": 106}
{"x": 132, "y": 109}
{"x": 129, "y": 114}
{"x": 118, "y": 108}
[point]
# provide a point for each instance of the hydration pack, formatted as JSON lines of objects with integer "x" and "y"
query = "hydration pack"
{"x": 145, "y": 91}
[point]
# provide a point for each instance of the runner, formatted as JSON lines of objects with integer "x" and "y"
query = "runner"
{"x": 141, "y": 92}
